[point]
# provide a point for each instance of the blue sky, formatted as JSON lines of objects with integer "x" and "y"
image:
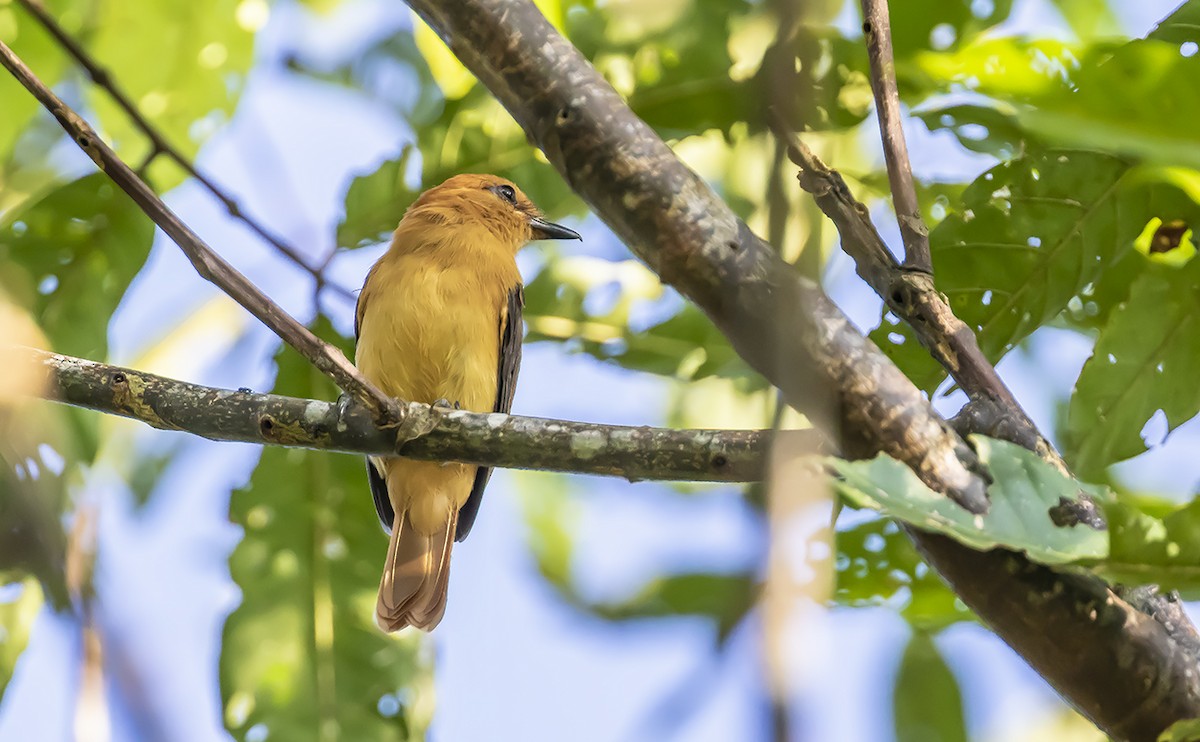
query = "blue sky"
{"x": 510, "y": 655}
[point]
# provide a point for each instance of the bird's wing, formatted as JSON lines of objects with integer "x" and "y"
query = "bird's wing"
{"x": 506, "y": 385}
{"x": 383, "y": 503}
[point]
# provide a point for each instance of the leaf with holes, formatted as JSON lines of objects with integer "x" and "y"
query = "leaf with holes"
{"x": 1025, "y": 495}
{"x": 302, "y": 654}
{"x": 1030, "y": 238}
{"x": 1144, "y": 361}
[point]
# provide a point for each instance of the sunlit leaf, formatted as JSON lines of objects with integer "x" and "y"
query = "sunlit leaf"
{"x": 1025, "y": 496}
{"x": 926, "y": 700}
{"x": 182, "y": 64}
{"x": 301, "y": 656}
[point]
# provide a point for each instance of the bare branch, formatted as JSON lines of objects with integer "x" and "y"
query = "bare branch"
{"x": 877, "y": 30}
{"x": 1120, "y": 667}
{"x": 101, "y": 77}
{"x": 640, "y": 453}
{"x": 208, "y": 263}
{"x": 910, "y": 295}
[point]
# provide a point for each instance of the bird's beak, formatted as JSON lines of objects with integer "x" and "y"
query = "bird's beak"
{"x": 544, "y": 230}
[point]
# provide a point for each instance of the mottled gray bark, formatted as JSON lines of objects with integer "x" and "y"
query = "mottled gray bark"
{"x": 1125, "y": 670}
{"x": 634, "y": 453}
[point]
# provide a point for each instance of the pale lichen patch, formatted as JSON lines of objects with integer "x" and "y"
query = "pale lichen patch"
{"x": 586, "y": 444}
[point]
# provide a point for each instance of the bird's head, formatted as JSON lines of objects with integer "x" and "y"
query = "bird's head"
{"x": 490, "y": 201}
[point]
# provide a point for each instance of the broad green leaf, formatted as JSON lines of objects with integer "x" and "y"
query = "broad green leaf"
{"x": 1148, "y": 547}
{"x": 878, "y": 565}
{"x": 182, "y": 64}
{"x": 20, "y": 603}
{"x": 70, "y": 256}
{"x": 301, "y": 657}
{"x": 926, "y": 701}
{"x": 375, "y": 203}
{"x": 1024, "y": 492}
{"x": 990, "y": 130}
{"x": 1031, "y": 238}
{"x": 1143, "y": 362}
{"x": 40, "y": 53}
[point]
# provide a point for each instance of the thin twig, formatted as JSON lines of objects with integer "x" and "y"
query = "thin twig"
{"x": 475, "y": 438}
{"x": 160, "y": 146}
{"x": 877, "y": 29}
{"x": 208, "y": 263}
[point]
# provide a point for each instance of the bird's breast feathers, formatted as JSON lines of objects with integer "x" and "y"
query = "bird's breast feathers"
{"x": 430, "y": 330}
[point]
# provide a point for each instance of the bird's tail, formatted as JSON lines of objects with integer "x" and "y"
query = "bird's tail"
{"x": 412, "y": 591}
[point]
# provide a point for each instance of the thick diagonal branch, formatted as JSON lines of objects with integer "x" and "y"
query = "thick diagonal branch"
{"x": 1119, "y": 666}
{"x": 207, "y": 262}
{"x": 635, "y": 453}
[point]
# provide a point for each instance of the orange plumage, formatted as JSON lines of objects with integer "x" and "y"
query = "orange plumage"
{"x": 439, "y": 318}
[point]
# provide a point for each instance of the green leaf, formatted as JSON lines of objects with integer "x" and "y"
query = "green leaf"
{"x": 927, "y": 702}
{"x": 301, "y": 657}
{"x": 1147, "y": 547}
{"x": 1143, "y": 362}
{"x": 70, "y": 257}
{"x": 1031, "y": 238}
{"x": 20, "y": 606}
{"x": 41, "y": 53}
{"x": 1024, "y": 491}
{"x": 878, "y": 565}
{"x": 1184, "y": 730}
{"x": 182, "y": 64}
{"x": 1089, "y": 18}
{"x": 375, "y": 203}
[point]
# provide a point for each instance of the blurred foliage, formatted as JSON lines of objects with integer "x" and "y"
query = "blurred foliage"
{"x": 927, "y": 702}
{"x": 1154, "y": 540}
{"x": 877, "y": 565}
{"x": 301, "y": 656}
{"x": 20, "y": 602}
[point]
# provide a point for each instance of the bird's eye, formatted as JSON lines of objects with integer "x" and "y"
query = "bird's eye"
{"x": 507, "y": 193}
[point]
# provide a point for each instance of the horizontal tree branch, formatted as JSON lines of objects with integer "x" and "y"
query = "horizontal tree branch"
{"x": 211, "y": 266}
{"x": 1116, "y": 664}
{"x": 635, "y": 453}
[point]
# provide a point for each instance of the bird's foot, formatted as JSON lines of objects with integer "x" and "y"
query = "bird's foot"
{"x": 445, "y": 404}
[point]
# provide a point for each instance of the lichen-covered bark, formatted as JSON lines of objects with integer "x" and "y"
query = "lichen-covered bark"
{"x": 476, "y": 438}
{"x": 1128, "y": 672}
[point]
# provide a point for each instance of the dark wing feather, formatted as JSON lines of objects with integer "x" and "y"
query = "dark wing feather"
{"x": 510, "y": 363}
{"x": 383, "y": 503}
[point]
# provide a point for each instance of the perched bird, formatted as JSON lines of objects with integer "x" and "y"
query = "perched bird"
{"x": 439, "y": 321}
